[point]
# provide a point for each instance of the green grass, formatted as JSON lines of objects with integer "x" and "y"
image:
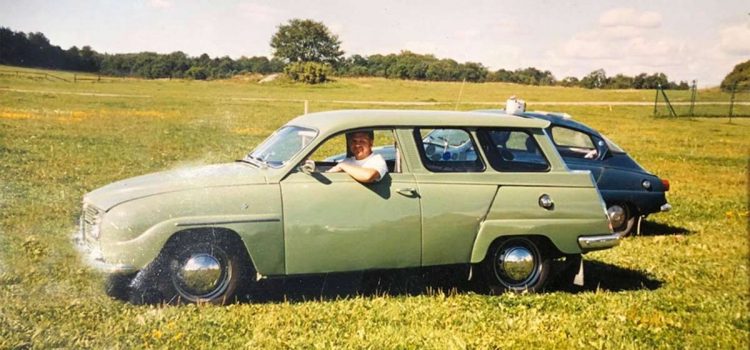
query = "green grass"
{"x": 682, "y": 284}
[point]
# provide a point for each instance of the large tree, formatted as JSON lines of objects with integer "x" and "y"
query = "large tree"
{"x": 740, "y": 76}
{"x": 304, "y": 40}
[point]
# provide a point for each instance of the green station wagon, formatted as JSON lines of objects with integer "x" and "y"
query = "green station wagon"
{"x": 505, "y": 210}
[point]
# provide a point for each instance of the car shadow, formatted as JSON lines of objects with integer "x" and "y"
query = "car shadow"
{"x": 450, "y": 280}
{"x": 600, "y": 276}
{"x": 650, "y": 228}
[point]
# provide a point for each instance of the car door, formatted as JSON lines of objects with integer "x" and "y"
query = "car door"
{"x": 455, "y": 196}
{"x": 334, "y": 223}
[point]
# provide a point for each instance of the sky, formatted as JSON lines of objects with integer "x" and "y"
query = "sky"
{"x": 686, "y": 39}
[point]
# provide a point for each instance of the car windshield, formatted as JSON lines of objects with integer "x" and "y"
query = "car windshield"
{"x": 281, "y": 146}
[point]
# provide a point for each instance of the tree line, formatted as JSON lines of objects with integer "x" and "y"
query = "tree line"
{"x": 294, "y": 44}
{"x": 35, "y": 50}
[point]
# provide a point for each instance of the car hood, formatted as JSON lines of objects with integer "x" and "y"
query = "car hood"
{"x": 229, "y": 174}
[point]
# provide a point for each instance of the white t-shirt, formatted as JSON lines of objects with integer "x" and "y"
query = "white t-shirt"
{"x": 373, "y": 161}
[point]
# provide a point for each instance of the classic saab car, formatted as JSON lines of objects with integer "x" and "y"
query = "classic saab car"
{"x": 204, "y": 234}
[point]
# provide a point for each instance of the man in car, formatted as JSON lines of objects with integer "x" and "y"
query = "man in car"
{"x": 363, "y": 165}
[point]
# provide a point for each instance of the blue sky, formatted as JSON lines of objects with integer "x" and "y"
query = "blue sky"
{"x": 685, "y": 39}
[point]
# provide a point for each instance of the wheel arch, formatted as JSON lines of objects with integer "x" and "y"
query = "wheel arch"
{"x": 543, "y": 243}
{"x": 201, "y": 233}
{"x": 564, "y": 239}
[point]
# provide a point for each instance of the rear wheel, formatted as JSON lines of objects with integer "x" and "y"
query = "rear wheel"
{"x": 622, "y": 218}
{"x": 516, "y": 264}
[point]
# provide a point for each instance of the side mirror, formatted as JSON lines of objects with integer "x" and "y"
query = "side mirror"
{"x": 308, "y": 167}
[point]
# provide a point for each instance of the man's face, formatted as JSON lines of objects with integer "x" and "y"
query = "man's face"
{"x": 360, "y": 145}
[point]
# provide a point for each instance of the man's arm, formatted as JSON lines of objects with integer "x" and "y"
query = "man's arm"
{"x": 361, "y": 174}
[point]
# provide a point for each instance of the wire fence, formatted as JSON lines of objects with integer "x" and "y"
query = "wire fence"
{"x": 703, "y": 103}
{"x": 62, "y": 76}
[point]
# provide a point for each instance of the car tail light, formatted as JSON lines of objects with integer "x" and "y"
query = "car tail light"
{"x": 665, "y": 183}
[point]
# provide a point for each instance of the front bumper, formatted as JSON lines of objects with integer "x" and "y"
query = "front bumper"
{"x": 591, "y": 243}
{"x": 92, "y": 256}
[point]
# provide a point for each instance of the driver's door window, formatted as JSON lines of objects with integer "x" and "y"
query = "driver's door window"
{"x": 334, "y": 150}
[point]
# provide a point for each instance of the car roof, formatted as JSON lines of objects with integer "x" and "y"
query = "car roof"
{"x": 352, "y": 119}
{"x": 553, "y": 118}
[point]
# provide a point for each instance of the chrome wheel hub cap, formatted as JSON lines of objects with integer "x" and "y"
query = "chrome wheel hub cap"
{"x": 201, "y": 274}
{"x": 517, "y": 263}
{"x": 616, "y": 215}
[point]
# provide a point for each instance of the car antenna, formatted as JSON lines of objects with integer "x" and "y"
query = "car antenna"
{"x": 460, "y": 93}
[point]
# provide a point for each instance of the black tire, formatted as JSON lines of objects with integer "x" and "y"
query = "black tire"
{"x": 622, "y": 217}
{"x": 195, "y": 268}
{"x": 117, "y": 286}
{"x": 528, "y": 272}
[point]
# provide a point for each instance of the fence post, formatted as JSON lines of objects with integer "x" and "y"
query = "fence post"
{"x": 307, "y": 105}
{"x": 74, "y": 78}
{"x": 731, "y": 102}
{"x": 692, "y": 97}
{"x": 656, "y": 100}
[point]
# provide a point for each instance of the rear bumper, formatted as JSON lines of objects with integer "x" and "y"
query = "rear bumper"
{"x": 590, "y": 243}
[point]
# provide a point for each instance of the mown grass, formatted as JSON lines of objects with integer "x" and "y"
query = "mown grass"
{"x": 683, "y": 283}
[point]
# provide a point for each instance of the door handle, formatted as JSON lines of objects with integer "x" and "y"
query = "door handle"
{"x": 408, "y": 191}
{"x": 546, "y": 202}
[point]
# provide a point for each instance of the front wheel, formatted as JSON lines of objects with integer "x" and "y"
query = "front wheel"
{"x": 198, "y": 270}
{"x": 516, "y": 264}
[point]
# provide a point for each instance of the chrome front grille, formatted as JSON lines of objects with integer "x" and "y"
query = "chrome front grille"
{"x": 90, "y": 221}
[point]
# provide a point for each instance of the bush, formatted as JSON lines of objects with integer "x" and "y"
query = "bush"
{"x": 197, "y": 73}
{"x": 308, "y": 72}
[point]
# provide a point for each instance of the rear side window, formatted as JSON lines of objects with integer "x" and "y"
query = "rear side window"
{"x": 448, "y": 150}
{"x": 573, "y": 143}
{"x": 512, "y": 151}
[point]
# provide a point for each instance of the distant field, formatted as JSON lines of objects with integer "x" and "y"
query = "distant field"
{"x": 683, "y": 283}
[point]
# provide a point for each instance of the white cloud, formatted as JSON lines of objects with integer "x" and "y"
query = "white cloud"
{"x": 259, "y": 12}
{"x": 735, "y": 39}
{"x": 160, "y": 4}
{"x": 628, "y": 17}
{"x": 624, "y": 41}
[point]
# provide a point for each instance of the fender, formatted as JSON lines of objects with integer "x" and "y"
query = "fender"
{"x": 258, "y": 232}
{"x": 563, "y": 233}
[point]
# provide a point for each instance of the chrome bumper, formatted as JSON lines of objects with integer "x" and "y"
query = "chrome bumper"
{"x": 93, "y": 257}
{"x": 589, "y": 243}
{"x": 666, "y": 207}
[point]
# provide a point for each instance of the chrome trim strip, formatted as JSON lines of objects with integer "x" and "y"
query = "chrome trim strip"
{"x": 598, "y": 242}
{"x": 220, "y": 222}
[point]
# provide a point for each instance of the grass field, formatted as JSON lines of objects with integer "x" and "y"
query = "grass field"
{"x": 683, "y": 283}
